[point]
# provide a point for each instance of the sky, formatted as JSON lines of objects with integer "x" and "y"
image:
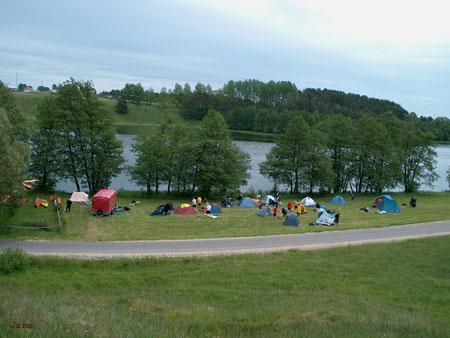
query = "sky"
{"x": 395, "y": 50}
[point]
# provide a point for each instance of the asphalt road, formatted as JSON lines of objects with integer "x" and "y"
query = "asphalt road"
{"x": 226, "y": 246}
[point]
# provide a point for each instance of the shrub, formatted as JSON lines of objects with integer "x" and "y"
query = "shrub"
{"x": 12, "y": 260}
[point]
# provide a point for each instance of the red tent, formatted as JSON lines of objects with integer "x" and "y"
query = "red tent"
{"x": 104, "y": 201}
{"x": 185, "y": 211}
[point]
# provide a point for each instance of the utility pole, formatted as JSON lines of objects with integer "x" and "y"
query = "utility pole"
{"x": 17, "y": 80}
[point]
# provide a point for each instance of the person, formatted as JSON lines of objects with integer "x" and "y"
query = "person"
{"x": 413, "y": 202}
{"x": 223, "y": 202}
{"x": 275, "y": 209}
{"x": 239, "y": 198}
{"x": 208, "y": 208}
{"x": 284, "y": 212}
{"x": 199, "y": 201}
{"x": 68, "y": 205}
{"x": 167, "y": 208}
{"x": 230, "y": 202}
{"x": 277, "y": 198}
{"x": 194, "y": 202}
{"x": 289, "y": 205}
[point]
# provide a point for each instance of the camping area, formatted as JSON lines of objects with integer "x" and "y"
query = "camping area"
{"x": 224, "y": 168}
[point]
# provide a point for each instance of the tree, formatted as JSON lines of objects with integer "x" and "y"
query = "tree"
{"x": 121, "y": 105}
{"x": 45, "y": 153}
{"x": 417, "y": 157}
{"x": 86, "y": 145}
{"x": 19, "y": 124}
{"x": 43, "y": 89}
{"x": 338, "y": 133}
{"x": 13, "y": 165}
{"x": 151, "y": 161}
{"x": 220, "y": 165}
{"x": 21, "y": 87}
{"x": 133, "y": 92}
{"x": 374, "y": 168}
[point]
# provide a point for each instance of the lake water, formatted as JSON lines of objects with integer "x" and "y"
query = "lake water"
{"x": 258, "y": 151}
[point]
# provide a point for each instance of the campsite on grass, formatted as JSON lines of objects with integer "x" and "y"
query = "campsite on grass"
{"x": 137, "y": 224}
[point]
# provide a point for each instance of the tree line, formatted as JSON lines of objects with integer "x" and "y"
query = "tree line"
{"x": 371, "y": 155}
{"x": 253, "y": 105}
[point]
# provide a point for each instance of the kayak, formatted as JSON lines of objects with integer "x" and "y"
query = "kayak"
{"x": 37, "y": 202}
{"x": 51, "y": 198}
{"x": 59, "y": 200}
{"x": 44, "y": 203}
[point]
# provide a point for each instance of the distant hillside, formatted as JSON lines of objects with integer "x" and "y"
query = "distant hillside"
{"x": 254, "y": 110}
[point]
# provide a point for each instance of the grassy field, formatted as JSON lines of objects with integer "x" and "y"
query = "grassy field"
{"x": 136, "y": 224}
{"x": 383, "y": 290}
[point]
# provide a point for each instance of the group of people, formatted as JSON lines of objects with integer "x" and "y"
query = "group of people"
{"x": 197, "y": 203}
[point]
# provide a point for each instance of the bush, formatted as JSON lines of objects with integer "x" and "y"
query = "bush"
{"x": 12, "y": 260}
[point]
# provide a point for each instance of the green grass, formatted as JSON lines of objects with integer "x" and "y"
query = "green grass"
{"x": 138, "y": 225}
{"x": 383, "y": 290}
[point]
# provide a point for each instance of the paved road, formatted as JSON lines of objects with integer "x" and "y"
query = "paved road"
{"x": 224, "y": 246}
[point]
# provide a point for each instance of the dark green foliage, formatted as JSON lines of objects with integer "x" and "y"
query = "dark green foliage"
{"x": 190, "y": 159}
{"x": 13, "y": 260}
{"x": 75, "y": 138}
{"x": 43, "y": 89}
{"x": 122, "y": 105}
{"x": 133, "y": 92}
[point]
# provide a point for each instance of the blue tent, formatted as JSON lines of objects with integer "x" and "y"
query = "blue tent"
{"x": 386, "y": 203}
{"x": 264, "y": 212}
{"x": 215, "y": 210}
{"x": 292, "y": 220}
{"x": 247, "y": 203}
{"x": 338, "y": 200}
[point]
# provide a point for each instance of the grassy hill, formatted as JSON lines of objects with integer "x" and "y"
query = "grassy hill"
{"x": 139, "y": 120}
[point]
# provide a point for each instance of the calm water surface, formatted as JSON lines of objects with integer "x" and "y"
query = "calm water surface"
{"x": 258, "y": 151}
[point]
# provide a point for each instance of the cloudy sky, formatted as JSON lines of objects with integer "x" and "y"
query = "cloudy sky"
{"x": 398, "y": 50}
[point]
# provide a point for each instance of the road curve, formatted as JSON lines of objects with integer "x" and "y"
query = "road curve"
{"x": 226, "y": 246}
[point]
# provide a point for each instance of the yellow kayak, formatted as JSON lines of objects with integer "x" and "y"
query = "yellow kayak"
{"x": 44, "y": 203}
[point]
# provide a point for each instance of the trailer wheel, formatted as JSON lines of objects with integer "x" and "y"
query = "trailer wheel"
{"x": 99, "y": 213}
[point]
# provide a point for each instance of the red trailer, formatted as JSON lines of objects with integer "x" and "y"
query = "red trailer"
{"x": 104, "y": 202}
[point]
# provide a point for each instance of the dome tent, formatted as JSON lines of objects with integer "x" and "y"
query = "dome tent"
{"x": 215, "y": 210}
{"x": 269, "y": 199}
{"x": 247, "y": 203}
{"x": 308, "y": 202}
{"x": 184, "y": 211}
{"x": 291, "y": 220}
{"x": 338, "y": 200}
{"x": 386, "y": 203}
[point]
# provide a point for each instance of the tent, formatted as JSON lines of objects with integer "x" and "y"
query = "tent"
{"x": 79, "y": 197}
{"x": 215, "y": 210}
{"x": 247, "y": 203}
{"x": 104, "y": 201}
{"x": 264, "y": 212}
{"x": 256, "y": 201}
{"x": 386, "y": 203}
{"x": 292, "y": 220}
{"x": 325, "y": 218}
{"x": 308, "y": 202}
{"x": 159, "y": 211}
{"x": 338, "y": 200}
{"x": 269, "y": 199}
{"x": 185, "y": 211}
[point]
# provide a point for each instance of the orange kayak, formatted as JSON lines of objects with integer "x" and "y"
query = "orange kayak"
{"x": 37, "y": 202}
{"x": 51, "y": 198}
{"x": 59, "y": 200}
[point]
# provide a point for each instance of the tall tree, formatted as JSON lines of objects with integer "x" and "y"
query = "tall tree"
{"x": 121, "y": 105}
{"x": 417, "y": 157}
{"x": 13, "y": 163}
{"x": 339, "y": 139}
{"x": 221, "y": 165}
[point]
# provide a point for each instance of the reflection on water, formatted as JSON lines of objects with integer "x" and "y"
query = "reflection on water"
{"x": 256, "y": 181}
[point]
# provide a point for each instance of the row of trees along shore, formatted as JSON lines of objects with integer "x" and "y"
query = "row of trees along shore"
{"x": 253, "y": 105}
{"x": 370, "y": 155}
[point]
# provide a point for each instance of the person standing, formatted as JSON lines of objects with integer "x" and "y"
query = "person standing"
{"x": 194, "y": 202}
{"x": 275, "y": 209}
